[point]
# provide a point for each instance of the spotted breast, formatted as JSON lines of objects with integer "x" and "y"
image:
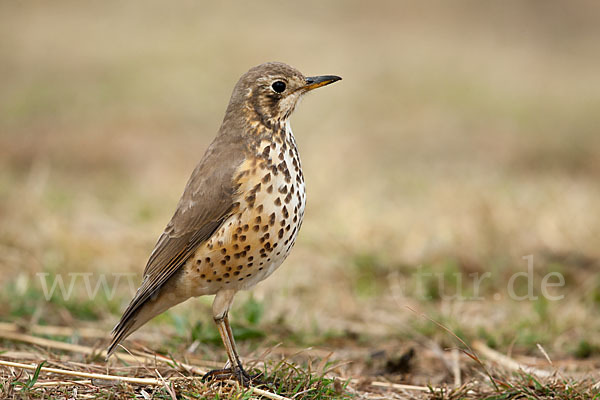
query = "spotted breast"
{"x": 263, "y": 227}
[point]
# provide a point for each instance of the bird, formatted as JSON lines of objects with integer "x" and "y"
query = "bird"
{"x": 239, "y": 214}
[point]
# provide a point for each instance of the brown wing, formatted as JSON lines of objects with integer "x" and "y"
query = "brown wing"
{"x": 206, "y": 203}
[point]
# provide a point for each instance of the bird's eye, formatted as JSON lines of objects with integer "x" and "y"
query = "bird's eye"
{"x": 278, "y": 86}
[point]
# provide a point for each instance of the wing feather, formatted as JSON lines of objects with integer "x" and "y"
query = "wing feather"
{"x": 207, "y": 201}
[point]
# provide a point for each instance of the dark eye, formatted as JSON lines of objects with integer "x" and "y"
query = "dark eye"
{"x": 278, "y": 86}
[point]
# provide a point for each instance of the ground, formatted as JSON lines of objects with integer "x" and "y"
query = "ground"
{"x": 452, "y": 224}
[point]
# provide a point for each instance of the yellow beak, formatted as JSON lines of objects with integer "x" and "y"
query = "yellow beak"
{"x": 313, "y": 82}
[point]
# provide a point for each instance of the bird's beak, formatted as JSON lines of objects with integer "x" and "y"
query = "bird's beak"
{"x": 313, "y": 82}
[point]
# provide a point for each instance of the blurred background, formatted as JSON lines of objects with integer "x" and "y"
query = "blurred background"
{"x": 463, "y": 138}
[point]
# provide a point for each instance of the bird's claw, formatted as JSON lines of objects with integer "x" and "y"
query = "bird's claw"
{"x": 237, "y": 373}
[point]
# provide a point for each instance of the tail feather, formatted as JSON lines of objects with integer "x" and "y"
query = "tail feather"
{"x": 124, "y": 328}
{"x": 118, "y": 335}
{"x": 137, "y": 314}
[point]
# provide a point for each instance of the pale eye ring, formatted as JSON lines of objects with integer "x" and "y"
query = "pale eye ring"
{"x": 278, "y": 86}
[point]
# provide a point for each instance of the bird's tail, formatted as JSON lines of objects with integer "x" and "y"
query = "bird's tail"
{"x": 126, "y": 326}
{"x": 138, "y": 313}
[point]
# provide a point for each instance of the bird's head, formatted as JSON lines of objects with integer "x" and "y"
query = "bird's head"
{"x": 269, "y": 92}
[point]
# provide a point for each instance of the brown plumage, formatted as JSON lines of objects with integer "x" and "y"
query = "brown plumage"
{"x": 240, "y": 212}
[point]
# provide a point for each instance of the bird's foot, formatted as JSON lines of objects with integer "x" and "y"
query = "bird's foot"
{"x": 237, "y": 373}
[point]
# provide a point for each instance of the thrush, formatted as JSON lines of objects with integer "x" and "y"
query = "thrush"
{"x": 240, "y": 212}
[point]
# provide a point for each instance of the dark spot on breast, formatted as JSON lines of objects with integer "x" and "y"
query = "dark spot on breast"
{"x": 243, "y": 238}
{"x": 259, "y": 208}
{"x": 207, "y": 259}
{"x": 223, "y": 250}
{"x": 256, "y": 228}
{"x": 278, "y": 201}
{"x": 272, "y": 219}
{"x": 265, "y": 228}
{"x": 203, "y": 276}
{"x": 280, "y": 234}
{"x": 227, "y": 258}
{"x": 228, "y": 268}
{"x": 288, "y": 198}
{"x": 266, "y": 178}
{"x": 236, "y": 246}
{"x": 251, "y": 198}
{"x": 282, "y": 189}
{"x": 287, "y": 228}
{"x": 246, "y": 227}
{"x": 270, "y": 189}
{"x": 250, "y": 258}
{"x": 239, "y": 267}
{"x": 223, "y": 262}
{"x": 226, "y": 275}
{"x": 286, "y": 214}
{"x": 219, "y": 279}
{"x": 236, "y": 273}
{"x": 266, "y": 151}
{"x": 248, "y": 275}
{"x": 261, "y": 268}
{"x": 208, "y": 280}
{"x": 234, "y": 236}
{"x": 198, "y": 261}
{"x": 249, "y": 265}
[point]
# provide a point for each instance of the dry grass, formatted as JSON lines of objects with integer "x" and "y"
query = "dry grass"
{"x": 462, "y": 138}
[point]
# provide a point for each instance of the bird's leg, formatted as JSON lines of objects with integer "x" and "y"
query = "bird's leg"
{"x": 236, "y": 369}
{"x": 221, "y": 306}
{"x": 234, "y": 358}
